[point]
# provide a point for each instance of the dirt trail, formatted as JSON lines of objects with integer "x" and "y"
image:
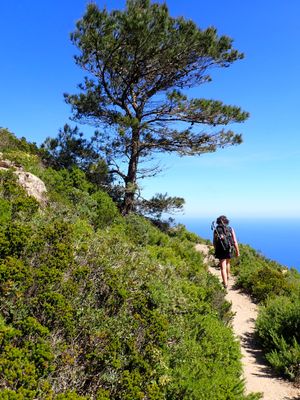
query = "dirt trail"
{"x": 257, "y": 373}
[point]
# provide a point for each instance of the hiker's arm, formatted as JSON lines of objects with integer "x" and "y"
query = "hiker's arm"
{"x": 236, "y": 246}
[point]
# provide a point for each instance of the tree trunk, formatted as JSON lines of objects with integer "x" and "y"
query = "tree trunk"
{"x": 130, "y": 181}
{"x": 128, "y": 203}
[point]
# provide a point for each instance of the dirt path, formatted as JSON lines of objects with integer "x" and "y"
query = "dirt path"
{"x": 257, "y": 373}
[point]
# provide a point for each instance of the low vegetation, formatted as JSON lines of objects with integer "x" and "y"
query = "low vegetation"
{"x": 99, "y": 306}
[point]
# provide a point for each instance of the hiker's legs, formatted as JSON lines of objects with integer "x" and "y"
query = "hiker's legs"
{"x": 223, "y": 267}
{"x": 228, "y": 267}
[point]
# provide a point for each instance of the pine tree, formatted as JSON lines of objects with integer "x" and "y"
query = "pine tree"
{"x": 138, "y": 62}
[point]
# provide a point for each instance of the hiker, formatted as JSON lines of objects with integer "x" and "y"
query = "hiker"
{"x": 225, "y": 245}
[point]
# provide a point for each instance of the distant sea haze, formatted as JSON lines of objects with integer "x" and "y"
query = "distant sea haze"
{"x": 276, "y": 239}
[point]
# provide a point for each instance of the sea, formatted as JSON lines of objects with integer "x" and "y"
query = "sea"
{"x": 276, "y": 239}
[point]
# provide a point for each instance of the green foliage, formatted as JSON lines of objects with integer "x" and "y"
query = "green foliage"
{"x": 29, "y": 162}
{"x": 278, "y": 327}
{"x": 64, "y": 181}
{"x": 137, "y": 229}
{"x": 194, "y": 358}
{"x": 286, "y": 358}
{"x": 94, "y": 305}
{"x": 182, "y": 233}
{"x": 5, "y": 211}
{"x": 137, "y": 60}
{"x": 14, "y": 202}
{"x": 15, "y": 278}
{"x": 9, "y": 142}
{"x": 268, "y": 282}
{"x": 72, "y": 188}
{"x": 69, "y": 149}
{"x": 71, "y": 395}
{"x": 15, "y": 237}
{"x": 26, "y": 359}
{"x": 161, "y": 203}
{"x": 19, "y": 151}
{"x": 261, "y": 277}
{"x": 106, "y": 211}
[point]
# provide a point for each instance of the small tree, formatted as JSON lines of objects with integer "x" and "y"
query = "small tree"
{"x": 70, "y": 149}
{"x": 138, "y": 62}
{"x": 159, "y": 204}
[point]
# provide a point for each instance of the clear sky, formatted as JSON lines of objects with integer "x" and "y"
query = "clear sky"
{"x": 259, "y": 178}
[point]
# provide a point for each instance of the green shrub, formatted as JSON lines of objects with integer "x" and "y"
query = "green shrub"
{"x": 71, "y": 395}
{"x": 15, "y": 277}
{"x": 5, "y": 211}
{"x": 55, "y": 311}
{"x": 83, "y": 198}
{"x": 278, "y": 327}
{"x": 24, "y": 206}
{"x": 267, "y": 282}
{"x": 106, "y": 212}
{"x": 9, "y": 142}
{"x": 14, "y": 237}
{"x": 17, "y": 370}
{"x": 94, "y": 305}
{"x": 29, "y": 162}
{"x": 259, "y": 276}
{"x": 182, "y": 233}
{"x": 9, "y": 187}
{"x": 14, "y": 201}
{"x": 137, "y": 229}
{"x": 286, "y": 358}
{"x": 196, "y": 353}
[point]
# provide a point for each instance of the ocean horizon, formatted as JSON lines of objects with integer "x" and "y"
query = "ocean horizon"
{"x": 275, "y": 238}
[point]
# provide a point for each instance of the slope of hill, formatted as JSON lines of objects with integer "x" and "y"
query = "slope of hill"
{"x": 98, "y": 306}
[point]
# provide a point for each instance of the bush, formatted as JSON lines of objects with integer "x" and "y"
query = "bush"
{"x": 14, "y": 238}
{"x": 259, "y": 276}
{"x": 106, "y": 212}
{"x": 278, "y": 327}
{"x": 9, "y": 142}
{"x": 201, "y": 348}
{"x": 182, "y": 233}
{"x": 267, "y": 282}
{"x": 137, "y": 229}
{"x": 25, "y": 360}
{"x": 94, "y": 305}
{"x": 5, "y": 211}
{"x": 81, "y": 197}
{"x": 15, "y": 277}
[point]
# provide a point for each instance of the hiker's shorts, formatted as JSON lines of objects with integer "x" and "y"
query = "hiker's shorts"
{"x": 223, "y": 255}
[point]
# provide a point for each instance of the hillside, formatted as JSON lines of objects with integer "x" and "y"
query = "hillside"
{"x": 98, "y": 306}
{"x": 95, "y": 305}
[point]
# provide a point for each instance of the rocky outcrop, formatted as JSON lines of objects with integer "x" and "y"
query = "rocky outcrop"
{"x": 33, "y": 185}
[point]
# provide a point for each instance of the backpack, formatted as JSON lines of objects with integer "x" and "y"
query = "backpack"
{"x": 224, "y": 237}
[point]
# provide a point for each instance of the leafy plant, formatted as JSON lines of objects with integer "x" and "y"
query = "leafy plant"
{"x": 95, "y": 305}
{"x": 278, "y": 327}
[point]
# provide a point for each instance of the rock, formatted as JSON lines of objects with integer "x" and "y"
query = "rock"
{"x": 33, "y": 185}
{"x": 5, "y": 164}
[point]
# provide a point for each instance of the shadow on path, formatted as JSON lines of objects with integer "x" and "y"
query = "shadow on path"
{"x": 251, "y": 345}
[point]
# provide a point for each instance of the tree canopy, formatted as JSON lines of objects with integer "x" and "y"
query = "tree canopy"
{"x": 139, "y": 61}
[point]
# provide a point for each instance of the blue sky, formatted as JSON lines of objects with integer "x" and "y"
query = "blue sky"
{"x": 259, "y": 178}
